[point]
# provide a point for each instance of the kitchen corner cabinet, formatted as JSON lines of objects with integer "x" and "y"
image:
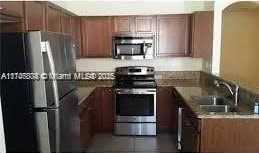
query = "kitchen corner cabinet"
{"x": 96, "y": 37}
{"x": 35, "y": 15}
{"x": 86, "y": 121}
{"x": 134, "y": 25}
{"x": 53, "y": 18}
{"x": 166, "y": 110}
{"x": 173, "y": 35}
{"x": 202, "y": 34}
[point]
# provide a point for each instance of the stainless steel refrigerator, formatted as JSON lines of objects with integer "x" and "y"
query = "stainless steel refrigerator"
{"x": 39, "y": 115}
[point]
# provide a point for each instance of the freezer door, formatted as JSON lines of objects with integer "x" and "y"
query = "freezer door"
{"x": 58, "y": 130}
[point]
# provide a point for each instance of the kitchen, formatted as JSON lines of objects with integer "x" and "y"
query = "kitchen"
{"x": 154, "y": 76}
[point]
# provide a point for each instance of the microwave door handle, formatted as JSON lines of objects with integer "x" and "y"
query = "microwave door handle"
{"x": 53, "y": 72}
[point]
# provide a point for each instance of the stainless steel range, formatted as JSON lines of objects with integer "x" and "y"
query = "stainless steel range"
{"x": 135, "y": 101}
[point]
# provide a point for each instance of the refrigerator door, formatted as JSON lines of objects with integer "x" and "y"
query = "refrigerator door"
{"x": 58, "y": 130}
{"x": 16, "y": 97}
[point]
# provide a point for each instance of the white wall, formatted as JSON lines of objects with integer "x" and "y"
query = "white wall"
{"x": 161, "y": 64}
{"x": 133, "y": 7}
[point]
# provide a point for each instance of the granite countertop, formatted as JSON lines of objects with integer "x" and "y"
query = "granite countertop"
{"x": 83, "y": 93}
{"x": 186, "y": 88}
{"x": 244, "y": 111}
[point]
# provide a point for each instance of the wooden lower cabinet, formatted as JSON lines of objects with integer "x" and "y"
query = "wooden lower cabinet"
{"x": 190, "y": 134}
{"x": 230, "y": 135}
{"x": 103, "y": 108}
{"x": 217, "y": 134}
{"x": 107, "y": 109}
{"x": 166, "y": 110}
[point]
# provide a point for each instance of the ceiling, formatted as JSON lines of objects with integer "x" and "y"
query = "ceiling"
{"x": 133, "y": 7}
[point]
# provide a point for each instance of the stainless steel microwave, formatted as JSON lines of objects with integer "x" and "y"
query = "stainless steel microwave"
{"x": 125, "y": 47}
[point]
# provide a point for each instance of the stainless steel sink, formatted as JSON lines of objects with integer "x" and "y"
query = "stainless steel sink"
{"x": 210, "y": 100}
{"x": 219, "y": 108}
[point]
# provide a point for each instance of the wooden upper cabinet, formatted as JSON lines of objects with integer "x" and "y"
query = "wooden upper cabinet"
{"x": 96, "y": 37}
{"x": 14, "y": 8}
{"x": 53, "y": 18}
{"x": 76, "y": 32}
{"x": 145, "y": 24}
{"x": 173, "y": 35}
{"x": 35, "y": 15}
{"x": 123, "y": 25}
{"x": 202, "y": 34}
{"x": 15, "y": 11}
{"x": 66, "y": 23}
{"x": 132, "y": 25}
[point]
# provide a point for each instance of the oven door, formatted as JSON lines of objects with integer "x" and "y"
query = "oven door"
{"x": 135, "y": 105}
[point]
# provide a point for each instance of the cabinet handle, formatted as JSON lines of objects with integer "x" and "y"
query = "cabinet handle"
{"x": 187, "y": 122}
{"x": 90, "y": 108}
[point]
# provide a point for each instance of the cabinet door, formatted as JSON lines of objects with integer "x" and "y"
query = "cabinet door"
{"x": 76, "y": 32}
{"x": 66, "y": 23}
{"x": 35, "y": 15}
{"x": 123, "y": 25}
{"x": 202, "y": 34}
{"x": 96, "y": 36}
{"x": 166, "y": 110}
{"x": 53, "y": 18}
{"x": 145, "y": 24}
{"x": 190, "y": 136}
{"x": 173, "y": 35}
{"x": 15, "y": 10}
{"x": 107, "y": 109}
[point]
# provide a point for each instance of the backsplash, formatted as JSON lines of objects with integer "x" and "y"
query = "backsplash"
{"x": 164, "y": 75}
{"x": 177, "y": 75}
{"x": 244, "y": 94}
{"x": 160, "y": 64}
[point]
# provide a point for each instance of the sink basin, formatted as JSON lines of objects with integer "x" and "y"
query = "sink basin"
{"x": 210, "y": 100}
{"x": 219, "y": 108}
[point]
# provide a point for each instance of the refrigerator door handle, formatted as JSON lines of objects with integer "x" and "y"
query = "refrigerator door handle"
{"x": 47, "y": 49}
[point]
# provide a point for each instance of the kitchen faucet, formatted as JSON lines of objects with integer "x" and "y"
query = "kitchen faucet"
{"x": 233, "y": 93}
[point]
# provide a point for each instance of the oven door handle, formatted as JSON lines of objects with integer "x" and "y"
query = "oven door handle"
{"x": 136, "y": 92}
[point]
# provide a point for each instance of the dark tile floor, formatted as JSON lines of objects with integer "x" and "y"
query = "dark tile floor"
{"x": 108, "y": 143}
